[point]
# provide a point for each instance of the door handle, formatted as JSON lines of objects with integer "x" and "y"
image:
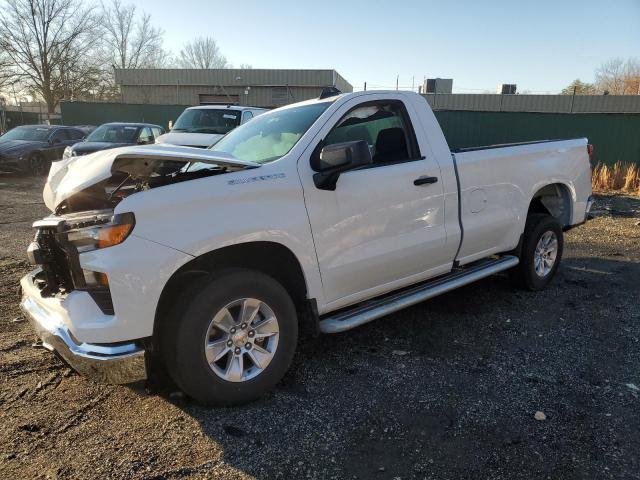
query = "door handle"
{"x": 425, "y": 180}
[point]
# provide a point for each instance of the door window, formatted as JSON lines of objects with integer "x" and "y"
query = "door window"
{"x": 386, "y": 128}
{"x": 156, "y": 132}
{"x": 247, "y": 116}
{"x": 59, "y": 136}
{"x": 145, "y": 136}
{"x": 76, "y": 134}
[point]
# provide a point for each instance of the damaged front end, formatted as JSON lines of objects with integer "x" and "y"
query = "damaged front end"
{"x": 83, "y": 194}
{"x": 101, "y": 180}
{"x": 60, "y": 292}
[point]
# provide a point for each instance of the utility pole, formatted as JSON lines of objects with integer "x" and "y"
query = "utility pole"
{"x": 15, "y": 98}
{"x": 573, "y": 97}
{"x": 413, "y": 83}
{"x": 397, "y": 80}
{"x": 365, "y": 86}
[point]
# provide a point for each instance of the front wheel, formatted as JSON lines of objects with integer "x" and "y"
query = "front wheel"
{"x": 541, "y": 252}
{"x": 233, "y": 340}
{"x": 38, "y": 166}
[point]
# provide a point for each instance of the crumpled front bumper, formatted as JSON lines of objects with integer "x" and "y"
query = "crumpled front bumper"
{"x": 118, "y": 363}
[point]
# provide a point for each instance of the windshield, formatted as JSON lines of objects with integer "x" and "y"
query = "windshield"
{"x": 114, "y": 134}
{"x": 270, "y": 135}
{"x": 38, "y": 134}
{"x": 200, "y": 120}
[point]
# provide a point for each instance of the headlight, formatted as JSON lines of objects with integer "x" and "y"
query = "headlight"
{"x": 102, "y": 233}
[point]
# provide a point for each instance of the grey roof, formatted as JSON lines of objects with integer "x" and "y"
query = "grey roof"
{"x": 132, "y": 124}
{"x": 228, "y": 76}
{"x": 241, "y": 108}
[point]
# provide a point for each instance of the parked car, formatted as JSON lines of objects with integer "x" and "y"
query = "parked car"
{"x": 204, "y": 125}
{"x": 32, "y": 148}
{"x": 115, "y": 134}
{"x": 335, "y": 211}
{"x": 87, "y": 129}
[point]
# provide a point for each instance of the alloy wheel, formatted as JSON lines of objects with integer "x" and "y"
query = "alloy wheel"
{"x": 241, "y": 340}
{"x": 545, "y": 253}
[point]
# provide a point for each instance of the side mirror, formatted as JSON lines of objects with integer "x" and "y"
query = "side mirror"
{"x": 332, "y": 160}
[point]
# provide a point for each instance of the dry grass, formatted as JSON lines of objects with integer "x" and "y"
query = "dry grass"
{"x": 624, "y": 177}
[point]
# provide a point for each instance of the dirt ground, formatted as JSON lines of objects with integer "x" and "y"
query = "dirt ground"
{"x": 446, "y": 389}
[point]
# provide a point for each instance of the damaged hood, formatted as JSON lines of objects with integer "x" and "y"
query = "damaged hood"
{"x": 79, "y": 173}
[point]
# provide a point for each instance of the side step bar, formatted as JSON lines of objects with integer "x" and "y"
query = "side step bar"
{"x": 371, "y": 310}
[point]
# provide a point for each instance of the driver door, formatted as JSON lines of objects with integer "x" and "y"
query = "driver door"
{"x": 377, "y": 231}
{"x": 58, "y": 141}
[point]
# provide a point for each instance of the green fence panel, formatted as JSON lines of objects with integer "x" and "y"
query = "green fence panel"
{"x": 14, "y": 119}
{"x": 615, "y": 136}
{"x": 85, "y": 113}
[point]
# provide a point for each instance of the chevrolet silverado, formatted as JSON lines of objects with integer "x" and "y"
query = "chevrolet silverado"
{"x": 334, "y": 211}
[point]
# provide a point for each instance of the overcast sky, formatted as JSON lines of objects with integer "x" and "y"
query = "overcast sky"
{"x": 540, "y": 45}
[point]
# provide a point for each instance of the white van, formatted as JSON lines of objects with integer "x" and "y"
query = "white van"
{"x": 204, "y": 125}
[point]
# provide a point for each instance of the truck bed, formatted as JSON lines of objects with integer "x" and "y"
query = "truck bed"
{"x": 497, "y": 184}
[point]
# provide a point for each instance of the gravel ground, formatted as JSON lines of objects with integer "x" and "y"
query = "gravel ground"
{"x": 446, "y": 389}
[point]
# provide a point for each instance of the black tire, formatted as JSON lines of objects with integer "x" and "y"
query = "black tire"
{"x": 524, "y": 275}
{"x": 183, "y": 337}
{"x": 38, "y": 166}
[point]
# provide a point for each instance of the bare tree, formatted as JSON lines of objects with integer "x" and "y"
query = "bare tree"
{"x": 632, "y": 77}
{"x": 130, "y": 40}
{"x": 6, "y": 70}
{"x": 619, "y": 77}
{"x": 578, "y": 87}
{"x": 45, "y": 38}
{"x": 203, "y": 52}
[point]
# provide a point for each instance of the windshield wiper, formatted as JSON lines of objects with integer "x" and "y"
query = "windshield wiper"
{"x": 205, "y": 130}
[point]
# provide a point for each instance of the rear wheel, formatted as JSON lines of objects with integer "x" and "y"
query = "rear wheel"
{"x": 233, "y": 340}
{"x": 541, "y": 252}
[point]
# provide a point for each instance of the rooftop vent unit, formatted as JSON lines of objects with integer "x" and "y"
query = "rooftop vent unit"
{"x": 507, "y": 89}
{"x": 437, "y": 85}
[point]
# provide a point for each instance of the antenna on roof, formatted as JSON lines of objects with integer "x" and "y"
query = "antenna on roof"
{"x": 329, "y": 92}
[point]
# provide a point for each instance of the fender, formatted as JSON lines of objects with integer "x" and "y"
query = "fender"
{"x": 265, "y": 204}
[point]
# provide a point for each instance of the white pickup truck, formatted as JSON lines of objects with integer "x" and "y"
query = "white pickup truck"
{"x": 334, "y": 211}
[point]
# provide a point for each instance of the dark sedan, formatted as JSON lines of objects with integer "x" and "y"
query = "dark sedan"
{"x": 112, "y": 135}
{"x": 32, "y": 148}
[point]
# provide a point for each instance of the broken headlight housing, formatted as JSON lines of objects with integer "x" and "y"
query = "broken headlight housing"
{"x": 100, "y": 231}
